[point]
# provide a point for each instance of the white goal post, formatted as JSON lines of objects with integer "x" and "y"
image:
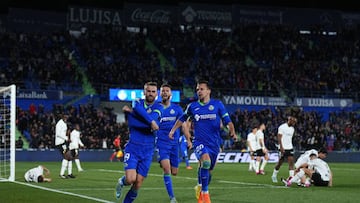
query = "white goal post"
{"x": 7, "y": 132}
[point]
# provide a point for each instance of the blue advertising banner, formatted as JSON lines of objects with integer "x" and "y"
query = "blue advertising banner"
{"x": 320, "y": 102}
{"x": 131, "y": 94}
{"x": 205, "y": 14}
{"x": 259, "y": 15}
{"x": 35, "y": 20}
{"x": 311, "y": 17}
{"x": 280, "y": 101}
{"x": 251, "y": 100}
{"x": 350, "y": 19}
{"x": 39, "y": 94}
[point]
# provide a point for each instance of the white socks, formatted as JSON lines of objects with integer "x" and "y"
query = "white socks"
{"x": 64, "y": 165}
{"x": 275, "y": 172}
{"x": 257, "y": 166}
{"x": 263, "y": 164}
{"x": 252, "y": 165}
{"x": 291, "y": 173}
{"x": 297, "y": 177}
{"x": 70, "y": 167}
{"x": 77, "y": 161}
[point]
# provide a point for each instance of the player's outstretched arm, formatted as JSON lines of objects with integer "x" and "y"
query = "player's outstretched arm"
{"x": 186, "y": 131}
{"x": 331, "y": 178}
{"x": 47, "y": 180}
{"x": 177, "y": 125}
{"x": 232, "y": 131}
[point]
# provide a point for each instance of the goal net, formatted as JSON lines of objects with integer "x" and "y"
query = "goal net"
{"x": 7, "y": 132}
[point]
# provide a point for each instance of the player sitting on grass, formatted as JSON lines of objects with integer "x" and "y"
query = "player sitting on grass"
{"x": 316, "y": 169}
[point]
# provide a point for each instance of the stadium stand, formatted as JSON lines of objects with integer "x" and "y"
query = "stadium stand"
{"x": 251, "y": 59}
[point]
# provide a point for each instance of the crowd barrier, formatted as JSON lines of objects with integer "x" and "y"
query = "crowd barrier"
{"x": 98, "y": 155}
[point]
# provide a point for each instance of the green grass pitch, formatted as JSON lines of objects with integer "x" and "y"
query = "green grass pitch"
{"x": 231, "y": 183}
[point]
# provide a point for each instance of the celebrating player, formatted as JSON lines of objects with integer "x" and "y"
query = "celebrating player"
{"x": 143, "y": 120}
{"x": 206, "y": 113}
{"x": 168, "y": 148}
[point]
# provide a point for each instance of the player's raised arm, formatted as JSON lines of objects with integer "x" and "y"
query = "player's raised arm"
{"x": 46, "y": 170}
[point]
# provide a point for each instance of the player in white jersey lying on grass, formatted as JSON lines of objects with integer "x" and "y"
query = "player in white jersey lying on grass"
{"x": 37, "y": 174}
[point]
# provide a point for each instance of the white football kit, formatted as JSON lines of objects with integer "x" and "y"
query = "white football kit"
{"x": 287, "y": 133}
{"x": 75, "y": 140}
{"x": 60, "y": 132}
{"x": 259, "y": 138}
{"x": 321, "y": 167}
{"x": 33, "y": 174}
{"x": 305, "y": 157}
{"x": 251, "y": 140}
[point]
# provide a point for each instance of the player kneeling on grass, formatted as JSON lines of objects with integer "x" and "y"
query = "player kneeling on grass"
{"x": 37, "y": 175}
{"x": 316, "y": 169}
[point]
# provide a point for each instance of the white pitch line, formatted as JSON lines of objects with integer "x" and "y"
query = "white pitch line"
{"x": 252, "y": 185}
{"x": 63, "y": 192}
{"x": 188, "y": 178}
{"x": 162, "y": 188}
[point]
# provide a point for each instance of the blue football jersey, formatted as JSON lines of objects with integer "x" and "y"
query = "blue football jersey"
{"x": 170, "y": 115}
{"x": 207, "y": 119}
{"x": 139, "y": 121}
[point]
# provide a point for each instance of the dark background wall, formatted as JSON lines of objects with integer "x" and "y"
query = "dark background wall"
{"x": 348, "y": 5}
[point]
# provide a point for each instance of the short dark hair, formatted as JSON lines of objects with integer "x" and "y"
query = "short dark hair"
{"x": 292, "y": 118}
{"x": 312, "y": 154}
{"x": 151, "y": 83}
{"x": 165, "y": 85}
{"x": 204, "y": 82}
{"x": 323, "y": 150}
{"x": 40, "y": 179}
{"x": 255, "y": 124}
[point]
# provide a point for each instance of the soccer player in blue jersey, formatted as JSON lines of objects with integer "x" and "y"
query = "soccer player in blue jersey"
{"x": 206, "y": 115}
{"x": 183, "y": 147}
{"x": 143, "y": 120}
{"x": 168, "y": 156}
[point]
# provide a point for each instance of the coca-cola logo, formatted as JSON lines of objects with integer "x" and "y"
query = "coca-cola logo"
{"x": 156, "y": 16}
